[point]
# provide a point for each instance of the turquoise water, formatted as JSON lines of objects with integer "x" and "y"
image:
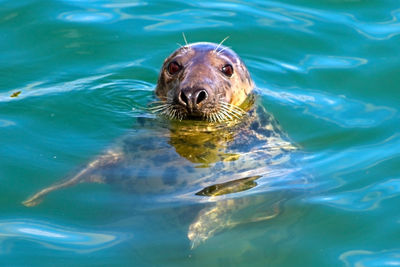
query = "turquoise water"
{"x": 327, "y": 70}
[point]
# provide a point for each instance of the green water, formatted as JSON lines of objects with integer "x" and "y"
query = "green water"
{"x": 327, "y": 70}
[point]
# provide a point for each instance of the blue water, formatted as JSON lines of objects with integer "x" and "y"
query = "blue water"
{"x": 328, "y": 72}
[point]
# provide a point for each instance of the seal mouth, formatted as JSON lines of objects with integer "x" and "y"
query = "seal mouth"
{"x": 219, "y": 112}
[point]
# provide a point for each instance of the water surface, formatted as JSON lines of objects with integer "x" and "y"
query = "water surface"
{"x": 328, "y": 72}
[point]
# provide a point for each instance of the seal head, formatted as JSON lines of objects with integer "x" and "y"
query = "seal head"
{"x": 204, "y": 81}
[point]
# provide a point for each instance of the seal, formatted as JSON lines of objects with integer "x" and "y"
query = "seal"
{"x": 203, "y": 81}
{"x": 216, "y": 143}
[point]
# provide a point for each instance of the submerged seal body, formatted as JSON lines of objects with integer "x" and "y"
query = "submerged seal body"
{"x": 217, "y": 141}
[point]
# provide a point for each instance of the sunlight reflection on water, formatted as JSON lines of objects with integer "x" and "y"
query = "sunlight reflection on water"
{"x": 56, "y": 236}
{"x": 371, "y": 258}
{"x": 338, "y": 109}
{"x": 80, "y": 16}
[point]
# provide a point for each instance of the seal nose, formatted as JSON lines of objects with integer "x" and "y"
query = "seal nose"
{"x": 191, "y": 98}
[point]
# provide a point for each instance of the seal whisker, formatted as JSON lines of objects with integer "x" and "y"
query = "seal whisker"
{"x": 237, "y": 116}
{"x": 178, "y": 115}
{"x": 230, "y": 112}
{"x": 158, "y": 108}
{"x": 157, "y": 101}
{"x": 233, "y": 108}
{"x": 215, "y": 117}
{"x": 184, "y": 38}
{"x": 221, "y": 117}
{"x": 219, "y": 52}
{"x": 227, "y": 116}
{"x": 234, "y": 111}
{"x": 231, "y": 105}
{"x": 212, "y": 117}
{"x": 215, "y": 50}
{"x": 172, "y": 113}
{"x": 175, "y": 114}
{"x": 226, "y": 113}
{"x": 208, "y": 117}
{"x": 165, "y": 112}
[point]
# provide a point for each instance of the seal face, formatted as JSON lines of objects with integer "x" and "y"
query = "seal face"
{"x": 205, "y": 81}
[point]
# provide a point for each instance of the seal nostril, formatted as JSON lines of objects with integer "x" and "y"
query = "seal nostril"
{"x": 183, "y": 98}
{"x": 201, "y": 96}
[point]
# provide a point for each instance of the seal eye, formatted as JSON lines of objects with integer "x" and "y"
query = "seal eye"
{"x": 173, "y": 68}
{"x": 227, "y": 70}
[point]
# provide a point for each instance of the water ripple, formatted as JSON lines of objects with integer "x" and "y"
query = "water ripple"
{"x": 301, "y": 18}
{"x": 174, "y": 21}
{"x": 330, "y": 62}
{"x": 207, "y": 14}
{"x": 309, "y": 62}
{"x": 269, "y": 14}
{"x": 373, "y": 30}
{"x": 364, "y": 199}
{"x": 85, "y": 16}
{"x": 371, "y": 258}
{"x": 55, "y": 236}
{"x": 37, "y": 89}
{"x": 377, "y": 31}
{"x": 338, "y": 109}
{"x": 6, "y": 123}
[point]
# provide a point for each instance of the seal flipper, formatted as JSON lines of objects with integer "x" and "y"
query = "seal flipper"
{"x": 88, "y": 174}
{"x": 229, "y": 213}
